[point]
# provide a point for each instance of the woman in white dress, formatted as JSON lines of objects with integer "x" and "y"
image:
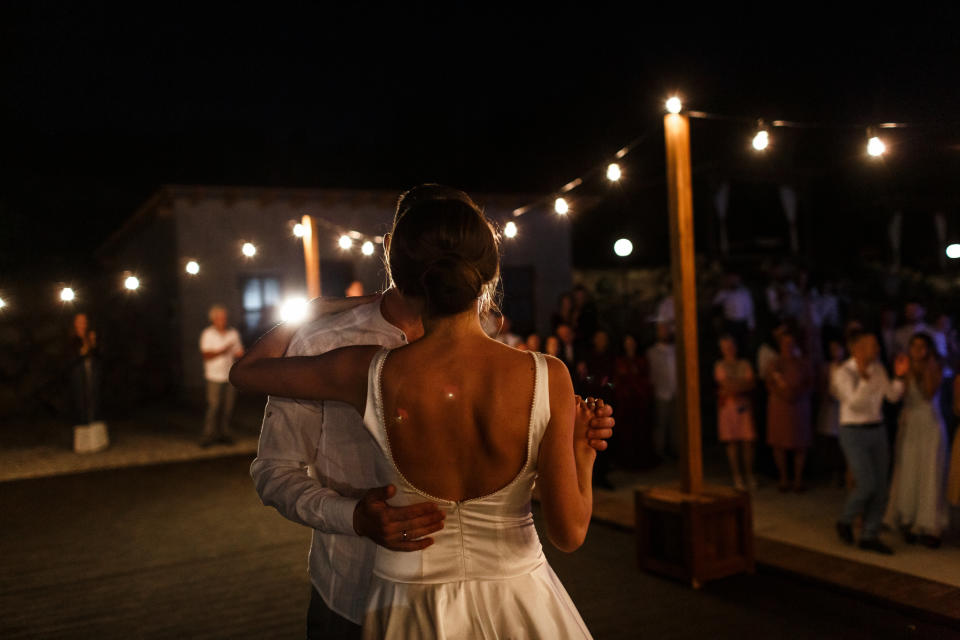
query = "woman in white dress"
{"x": 917, "y": 493}
{"x": 464, "y": 421}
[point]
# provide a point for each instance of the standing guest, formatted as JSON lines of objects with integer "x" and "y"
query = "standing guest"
{"x": 568, "y": 352}
{"x": 220, "y": 346}
{"x": 564, "y": 312}
{"x": 355, "y": 290}
{"x": 953, "y": 479}
{"x": 601, "y": 363}
{"x": 788, "y": 410}
{"x": 633, "y": 390}
{"x": 584, "y": 315}
{"x": 888, "y": 336}
{"x": 860, "y": 385}
{"x": 828, "y": 416}
{"x": 735, "y": 381}
{"x": 662, "y": 357}
{"x": 917, "y": 502}
{"x": 551, "y": 347}
{"x": 533, "y": 342}
{"x": 600, "y": 366}
{"x": 506, "y": 334}
{"x": 665, "y": 310}
{"x": 914, "y": 315}
{"x": 767, "y": 353}
{"x": 84, "y": 370}
{"x": 737, "y": 305}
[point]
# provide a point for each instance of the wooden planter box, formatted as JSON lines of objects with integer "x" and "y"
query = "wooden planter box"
{"x": 694, "y": 537}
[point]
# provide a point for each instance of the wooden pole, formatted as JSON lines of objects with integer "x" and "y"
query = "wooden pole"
{"x": 311, "y": 256}
{"x": 683, "y": 272}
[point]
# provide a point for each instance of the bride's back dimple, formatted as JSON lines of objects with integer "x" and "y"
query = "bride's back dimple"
{"x": 458, "y": 420}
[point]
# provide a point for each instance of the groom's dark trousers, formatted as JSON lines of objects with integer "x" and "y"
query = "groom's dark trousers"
{"x": 324, "y": 624}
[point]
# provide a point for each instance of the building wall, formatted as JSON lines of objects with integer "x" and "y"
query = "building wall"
{"x": 211, "y": 230}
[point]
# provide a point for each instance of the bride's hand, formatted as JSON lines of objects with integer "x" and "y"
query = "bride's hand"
{"x": 585, "y": 413}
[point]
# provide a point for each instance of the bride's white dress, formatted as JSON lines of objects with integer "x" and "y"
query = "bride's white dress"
{"x": 485, "y": 576}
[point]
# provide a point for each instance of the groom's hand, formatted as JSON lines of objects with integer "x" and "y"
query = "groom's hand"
{"x": 601, "y": 425}
{"x": 396, "y": 528}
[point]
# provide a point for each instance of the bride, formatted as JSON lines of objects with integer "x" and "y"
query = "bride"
{"x": 466, "y": 422}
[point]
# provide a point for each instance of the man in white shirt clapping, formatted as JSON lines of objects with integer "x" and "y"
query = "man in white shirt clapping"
{"x": 860, "y": 385}
{"x": 220, "y": 346}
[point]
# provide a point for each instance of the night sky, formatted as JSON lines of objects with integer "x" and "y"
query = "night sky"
{"x": 103, "y": 104}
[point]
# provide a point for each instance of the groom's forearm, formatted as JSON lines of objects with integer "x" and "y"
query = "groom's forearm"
{"x": 285, "y": 486}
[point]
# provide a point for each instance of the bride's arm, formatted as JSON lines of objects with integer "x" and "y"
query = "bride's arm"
{"x": 566, "y": 465}
{"x": 340, "y": 374}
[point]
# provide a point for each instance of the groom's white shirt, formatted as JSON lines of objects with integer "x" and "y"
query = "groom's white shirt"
{"x": 315, "y": 460}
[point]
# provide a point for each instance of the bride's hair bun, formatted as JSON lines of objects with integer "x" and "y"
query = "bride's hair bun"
{"x": 442, "y": 249}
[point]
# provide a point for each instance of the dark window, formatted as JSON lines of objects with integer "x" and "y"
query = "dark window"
{"x": 335, "y": 277}
{"x": 261, "y": 295}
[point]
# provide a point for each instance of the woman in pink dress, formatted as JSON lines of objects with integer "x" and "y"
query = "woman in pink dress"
{"x": 789, "y": 425}
{"x": 735, "y": 381}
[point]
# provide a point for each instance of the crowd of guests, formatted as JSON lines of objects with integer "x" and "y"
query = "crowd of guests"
{"x": 870, "y": 403}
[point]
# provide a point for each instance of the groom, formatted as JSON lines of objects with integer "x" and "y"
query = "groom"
{"x": 315, "y": 462}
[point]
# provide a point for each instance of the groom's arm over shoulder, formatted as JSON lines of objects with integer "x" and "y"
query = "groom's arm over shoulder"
{"x": 288, "y": 444}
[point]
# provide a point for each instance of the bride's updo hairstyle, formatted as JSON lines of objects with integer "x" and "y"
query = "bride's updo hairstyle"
{"x": 443, "y": 250}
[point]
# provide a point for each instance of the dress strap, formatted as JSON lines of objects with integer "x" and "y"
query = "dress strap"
{"x": 540, "y": 412}
{"x": 373, "y": 412}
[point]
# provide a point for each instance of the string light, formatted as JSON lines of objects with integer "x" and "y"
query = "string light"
{"x": 293, "y": 309}
{"x": 560, "y": 206}
{"x": 3, "y": 303}
{"x": 345, "y": 242}
{"x": 875, "y": 147}
{"x": 613, "y": 172}
{"x": 762, "y": 138}
{"x": 623, "y": 247}
{"x": 367, "y": 248}
{"x": 67, "y": 294}
{"x": 674, "y": 105}
{"x": 132, "y": 283}
{"x": 953, "y": 251}
{"x": 299, "y": 230}
{"x": 193, "y": 268}
{"x": 510, "y": 229}
{"x": 249, "y": 250}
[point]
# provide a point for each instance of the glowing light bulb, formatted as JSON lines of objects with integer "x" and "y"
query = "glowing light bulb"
{"x": 249, "y": 250}
{"x": 193, "y": 268}
{"x": 299, "y": 230}
{"x": 367, "y": 248}
{"x": 875, "y": 147}
{"x": 623, "y": 247}
{"x": 953, "y": 251}
{"x": 345, "y": 242}
{"x": 761, "y": 140}
{"x": 510, "y": 229}
{"x": 560, "y": 206}
{"x": 293, "y": 309}
{"x": 674, "y": 105}
{"x": 67, "y": 295}
{"x": 3, "y": 303}
{"x": 132, "y": 283}
{"x": 613, "y": 172}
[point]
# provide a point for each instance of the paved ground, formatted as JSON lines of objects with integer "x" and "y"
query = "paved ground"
{"x": 803, "y": 520}
{"x": 152, "y": 435}
{"x": 186, "y": 550}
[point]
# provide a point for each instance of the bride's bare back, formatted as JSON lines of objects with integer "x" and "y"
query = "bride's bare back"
{"x": 458, "y": 415}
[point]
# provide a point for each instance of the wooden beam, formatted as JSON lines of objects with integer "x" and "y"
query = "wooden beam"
{"x": 683, "y": 272}
{"x": 311, "y": 256}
